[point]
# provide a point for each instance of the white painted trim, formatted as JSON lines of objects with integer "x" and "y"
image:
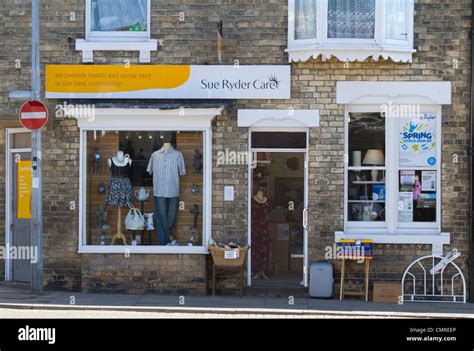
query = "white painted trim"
{"x": 149, "y": 119}
{"x": 282, "y": 118}
{"x": 207, "y": 184}
{"x": 349, "y": 50}
{"x": 20, "y": 150}
{"x": 143, "y": 249}
{"x": 143, "y": 47}
{"x": 306, "y": 205}
{"x": 408, "y": 237}
{"x": 128, "y": 119}
{"x": 350, "y": 54}
{"x": 277, "y": 150}
{"x": 424, "y": 93}
{"x": 8, "y": 192}
{"x": 249, "y": 207}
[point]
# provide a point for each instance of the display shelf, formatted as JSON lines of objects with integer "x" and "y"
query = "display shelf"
{"x": 365, "y": 182}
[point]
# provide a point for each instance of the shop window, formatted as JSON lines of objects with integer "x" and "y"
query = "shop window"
{"x": 164, "y": 181}
{"x": 393, "y": 171}
{"x": 366, "y": 175}
{"x": 350, "y": 29}
{"x": 113, "y": 25}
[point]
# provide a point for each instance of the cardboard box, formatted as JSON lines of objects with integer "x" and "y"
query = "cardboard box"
{"x": 387, "y": 292}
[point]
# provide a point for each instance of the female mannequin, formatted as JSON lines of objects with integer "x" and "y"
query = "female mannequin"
{"x": 120, "y": 189}
{"x": 261, "y": 242}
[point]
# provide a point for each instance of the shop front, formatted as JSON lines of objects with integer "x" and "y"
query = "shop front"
{"x": 148, "y": 199}
{"x": 157, "y": 181}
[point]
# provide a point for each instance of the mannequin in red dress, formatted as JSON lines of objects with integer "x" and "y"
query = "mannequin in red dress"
{"x": 261, "y": 242}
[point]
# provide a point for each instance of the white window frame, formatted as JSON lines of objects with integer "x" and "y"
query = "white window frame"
{"x": 116, "y": 41}
{"x": 149, "y": 120}
{"x": 373, "y": 94}
{"x": 349, "y": 49}
{"x": 113, "y": 35}
{"x": 391, "y": 224}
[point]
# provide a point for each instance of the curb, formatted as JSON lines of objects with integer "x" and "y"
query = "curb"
{"x": 239, "y": 311}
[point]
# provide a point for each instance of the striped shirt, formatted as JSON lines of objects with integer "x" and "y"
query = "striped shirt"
{"x": 166, "y": 168}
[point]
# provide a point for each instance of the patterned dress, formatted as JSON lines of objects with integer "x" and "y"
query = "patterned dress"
{"x": 120, "y": 192}
{"x": 261, "y": 242}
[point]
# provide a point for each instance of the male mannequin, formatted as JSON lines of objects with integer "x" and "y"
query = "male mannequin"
{"x": 120, "y": 189}
{"x": 166, "y": 165}
{"x": 167, "y": 147}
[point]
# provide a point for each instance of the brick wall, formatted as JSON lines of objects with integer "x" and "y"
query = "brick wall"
{"x": 255, "y": 33}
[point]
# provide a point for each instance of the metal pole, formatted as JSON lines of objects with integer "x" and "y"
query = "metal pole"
{"x": 37, "y": 192}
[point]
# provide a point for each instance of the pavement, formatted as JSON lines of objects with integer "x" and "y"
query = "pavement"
{"x": 20, "y": 303}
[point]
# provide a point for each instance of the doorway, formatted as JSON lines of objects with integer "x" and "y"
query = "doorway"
{"x": 278, "y": 210}
{"x": 18, "y": 202}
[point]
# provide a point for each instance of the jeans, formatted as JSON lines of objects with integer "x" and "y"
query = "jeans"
{"x": 166, "y": 209}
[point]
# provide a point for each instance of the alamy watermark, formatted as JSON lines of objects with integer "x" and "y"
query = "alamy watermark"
{"x": 37, "y": 334}
{"x": 229, "y": 157}
{"x": 391, "y": 110}
{"x": 351, "y": 252}
{"x": 11, "y": 252}
{"x": 76, "y": 111}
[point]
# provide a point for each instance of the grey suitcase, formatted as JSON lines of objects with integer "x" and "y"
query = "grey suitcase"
{"x": 321, "y": 279}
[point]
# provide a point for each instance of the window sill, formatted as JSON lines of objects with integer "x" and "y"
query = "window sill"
{"x": 412, "y": 237}
{"x": 128, "y": 249}
{"x": 350, "y": 53}
{"x": 88, "y": 47}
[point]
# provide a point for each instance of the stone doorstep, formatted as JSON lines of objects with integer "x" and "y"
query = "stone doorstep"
{"x": 239, "y": 311}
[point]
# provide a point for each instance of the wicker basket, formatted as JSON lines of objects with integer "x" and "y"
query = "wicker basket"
{"x": 219, "y": 260}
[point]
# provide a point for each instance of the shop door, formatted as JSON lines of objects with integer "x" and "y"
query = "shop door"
{"x": 18, "y": 192}
{"x": 21, "y": 217}
{"x": 279, "y": 172}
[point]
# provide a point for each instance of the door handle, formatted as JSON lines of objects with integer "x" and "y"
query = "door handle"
{"x": 305, "y": 219}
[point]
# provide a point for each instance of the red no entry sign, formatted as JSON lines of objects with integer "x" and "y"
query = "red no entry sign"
{"x": 33, "y": 115}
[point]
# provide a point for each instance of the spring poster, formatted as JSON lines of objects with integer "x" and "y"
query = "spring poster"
{"x": 418, "y": 141}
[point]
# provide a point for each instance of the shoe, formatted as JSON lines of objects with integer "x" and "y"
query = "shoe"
{"x": 173, "y": 243}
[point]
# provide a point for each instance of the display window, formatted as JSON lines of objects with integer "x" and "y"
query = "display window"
{"x": 144, "y": 188}
{"x": 392, "y": 171}
{"x": 366, "y": 198}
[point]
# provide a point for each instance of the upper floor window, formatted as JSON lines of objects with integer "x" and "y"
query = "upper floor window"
{"x": 117, "y": 20}
{"x": 117, "y": 25}
{"x": 351, "y": 29}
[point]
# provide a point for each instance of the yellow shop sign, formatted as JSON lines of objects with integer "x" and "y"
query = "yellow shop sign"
{"x": 167, "y": 82}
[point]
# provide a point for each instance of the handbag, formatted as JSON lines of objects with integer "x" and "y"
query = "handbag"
{"x": 134, "y": 219}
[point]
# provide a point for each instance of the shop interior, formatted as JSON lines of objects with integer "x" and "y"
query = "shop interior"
{"x": 277, "y": 209}
{"x": 102, "y": 217}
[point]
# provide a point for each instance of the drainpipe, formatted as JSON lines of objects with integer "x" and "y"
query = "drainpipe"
{"x": 471, "y": 160}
